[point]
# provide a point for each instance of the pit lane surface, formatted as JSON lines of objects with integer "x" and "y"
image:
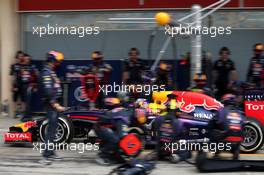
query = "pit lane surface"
{"x": 23, "y": 160}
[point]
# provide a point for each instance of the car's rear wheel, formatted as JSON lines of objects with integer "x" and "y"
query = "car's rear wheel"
{"x": 253, "y": 136}
{"x": 64, "y": 134}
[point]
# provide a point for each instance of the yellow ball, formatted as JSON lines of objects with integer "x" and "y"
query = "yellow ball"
{"x": 162, "y": 18}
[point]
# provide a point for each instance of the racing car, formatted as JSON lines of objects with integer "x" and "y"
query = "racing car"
{"x": 198, "y": 109}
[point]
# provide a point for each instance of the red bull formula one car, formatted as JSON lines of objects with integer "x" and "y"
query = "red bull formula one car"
{"x": 198, "y": 109}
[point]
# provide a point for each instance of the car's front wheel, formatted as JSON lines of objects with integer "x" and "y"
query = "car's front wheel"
{"x": 64, "y": 134}
{"x": 253, "y": 136}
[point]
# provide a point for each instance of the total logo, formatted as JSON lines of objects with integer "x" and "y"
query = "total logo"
{"x": 9, "y": 137}
{"x": 255, "y": 107}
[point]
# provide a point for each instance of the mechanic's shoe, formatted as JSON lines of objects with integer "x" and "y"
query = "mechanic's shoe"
{"x": 175, "y": 158}
{"x": 55, "y": 157}
{"x": 103, "y": 161}
{"x": 45, "y": 161}
{"x": 235, "y": 156}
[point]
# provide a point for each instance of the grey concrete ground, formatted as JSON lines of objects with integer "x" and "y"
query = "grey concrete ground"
{"x": 23, "y": 160}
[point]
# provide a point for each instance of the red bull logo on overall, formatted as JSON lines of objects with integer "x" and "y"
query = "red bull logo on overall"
{"x": 189, "y": 100}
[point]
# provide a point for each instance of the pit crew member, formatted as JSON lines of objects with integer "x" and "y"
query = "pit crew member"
{"x": 163, "y": 75}
{"x": 224, "y": 72}
{"x": 227, "y": 125}
{"x": 28, "y": 82}
{"x": 15, "y": 72}
{"x": 200, "y": 84}
{"x": 102, "y": 71}
{"x": 52, "y": 92}
{"x": 120, "y": 118}
{"x": 256, "y": 66}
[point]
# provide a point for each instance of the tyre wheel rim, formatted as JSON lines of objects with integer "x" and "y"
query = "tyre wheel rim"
{"x": 59, "y": 132}
{"x": 251, "y": 136}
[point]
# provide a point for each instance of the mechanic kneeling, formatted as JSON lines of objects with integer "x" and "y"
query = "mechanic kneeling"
{"x": 168, "y": 129}
{"x": 227, "y": 126}
{"x": 120, "y": 119}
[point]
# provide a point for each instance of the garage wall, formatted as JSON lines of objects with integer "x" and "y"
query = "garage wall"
{"x": 115, "y": 39}
{"x": 115, "y": 45}
{"x": 9, "y": 43}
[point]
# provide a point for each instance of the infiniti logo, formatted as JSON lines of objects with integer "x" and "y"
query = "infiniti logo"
{"x": 79, "y": 95}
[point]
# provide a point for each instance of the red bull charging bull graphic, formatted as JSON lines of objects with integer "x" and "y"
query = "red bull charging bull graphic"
{"x": 189, "y": 100}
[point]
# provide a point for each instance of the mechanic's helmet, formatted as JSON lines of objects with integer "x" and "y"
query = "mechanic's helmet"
{"x": 140, "y": 115}
{"x": 55, "y": 57}
{"x": 123, "y": 96}
{"x": 163, "y": 66}
{"x": 141, "y": 103}
{"x": 229, "y": 99}
{"x": 172, "y": 102}
{"x": 171, "y": 96}
{"x": 156, "y": 108}
{"x": 258, "y": 47}
{"x": 97, "y": 56}
{"x": 200, "y": 79}
{"x": 111, "y": 103}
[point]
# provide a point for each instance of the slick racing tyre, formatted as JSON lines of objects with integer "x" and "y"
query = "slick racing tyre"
{"x": 65, "y": 130}
{"x": 253, "y": 134}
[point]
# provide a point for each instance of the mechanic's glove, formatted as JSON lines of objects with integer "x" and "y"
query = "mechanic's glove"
{"x": 34, "y": 87}
{"x": 58, "y": 107}
{"x": 105, "y": 70}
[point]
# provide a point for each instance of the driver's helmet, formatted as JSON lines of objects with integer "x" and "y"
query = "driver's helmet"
{"x": 111, "y": 103}
{"x": 229, "y": 99}
{"x": 140, "y": 115}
